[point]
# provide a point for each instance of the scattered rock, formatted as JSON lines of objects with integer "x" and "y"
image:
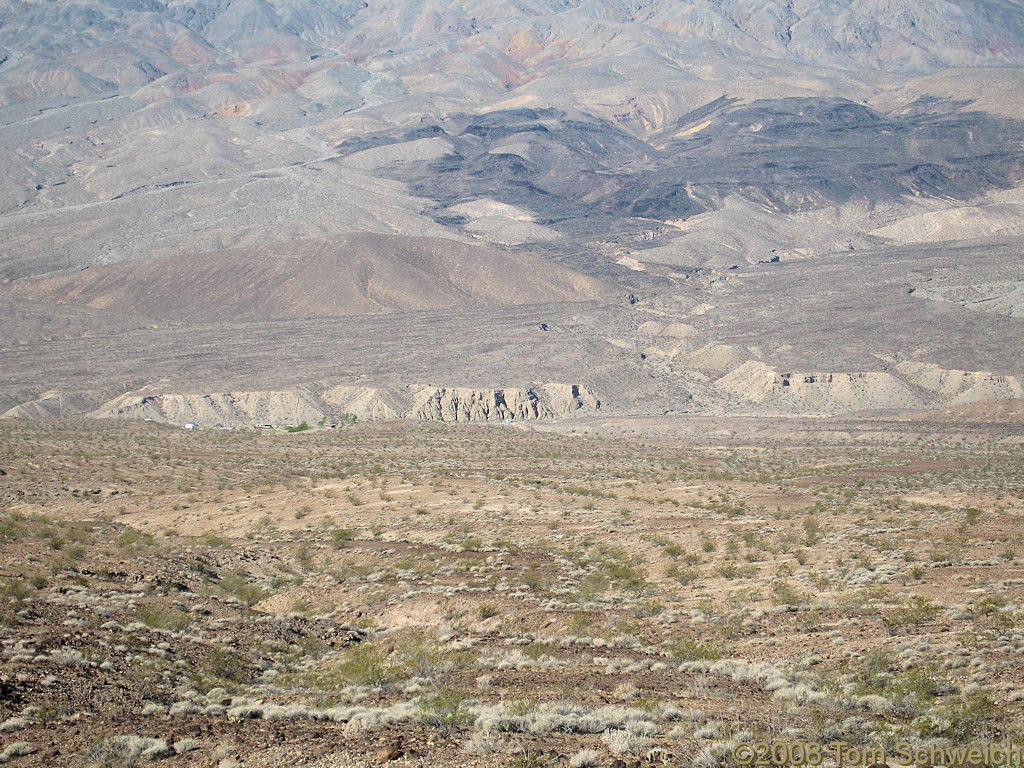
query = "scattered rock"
{"x": 392, "y": 751}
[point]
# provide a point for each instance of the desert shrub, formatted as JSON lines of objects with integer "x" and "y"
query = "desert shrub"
{"x": 916, "y": 612}
{"x": 688, "y": 649}
{"x": 529, "y": 759}
{"x": 341, "y": 535}
{"x": 812, "y": 530}
{"x": 14, "y": 724}
{"x": 421, "y": 655}
{"x": 736, "y": 571}
{"x": 133, "y": 539}
{"x": 213, "y": 541}
{"x": 673, "y": 550}
{"x": 245, "y": 712}
{"x": 180, "y": 708}
{"x": 990, "y": 604}
{"x": 585, "y": 758}
{"x": 289, "y": 712}
{"x": 682, "y": 575}
{"x": 619, "y": 569}
{"x": 784, "y": 594}
{"x": 126, "y": 751}
{"x": 809, "y": 621}
{"x": 622, "y": 741}
{"x": 445, "y": 711}
{"x": 183, "y": 746}
{"x": 238, "y": 584}
{"x": 482, "y": 743}
{"x": 873, "y": 672}
{"x": 11, "y": 527}
{"x": 550, "y": 717}
{"x": 220, "y": 667}
{"x": 974, "y": 717}
{"x": 916, "y": 689}
{"x": 14, "y": 588}
{"x": 16, "y": 749}
{"x": 365, "y": 664}
{"x": 160, "y": 617}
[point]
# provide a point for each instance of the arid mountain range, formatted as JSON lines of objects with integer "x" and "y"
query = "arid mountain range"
{"x": 249, "y": 212}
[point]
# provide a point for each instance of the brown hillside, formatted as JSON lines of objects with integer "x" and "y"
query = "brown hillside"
{"x": 347, "y": 275}
{"x": 1005, "y": 411}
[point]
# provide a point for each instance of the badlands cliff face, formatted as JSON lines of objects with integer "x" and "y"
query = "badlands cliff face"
{"x": 293, "y": 407}
{"x": 821, "y": 392}
{"x": 960, "y": 387}
{"x": 910, "y": 385}
{"x": 551, "y": 400}
{"x": 224, "y": 409}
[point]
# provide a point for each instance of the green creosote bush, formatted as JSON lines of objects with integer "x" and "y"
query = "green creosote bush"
{"x": 366, "y": 664}
{"x": 339, "y": 536}
{"x": 418, "y": 655}
{"x": 783, "y": 593}
{"x": 688, "y": 649}
{"x": 220, "y": 667}
{"x": 486, "y": 610}
{"x": 133, "y": 539}
{"x": 445, "y": 710}
{"x": 918, "y": 611}
{"x": 241, "y": 586}
{"x": 682, "y": 575}
{"x": 160, "y": 617}
{"x": 673, "y": 550}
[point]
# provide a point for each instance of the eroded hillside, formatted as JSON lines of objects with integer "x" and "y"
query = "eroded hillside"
{"x": 229, "y": 199}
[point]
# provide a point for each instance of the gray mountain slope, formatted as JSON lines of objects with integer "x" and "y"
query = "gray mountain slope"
{"x": 722, "y": 169}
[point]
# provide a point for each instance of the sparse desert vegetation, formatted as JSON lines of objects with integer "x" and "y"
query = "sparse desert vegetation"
{"x": 509, "y": 383}
{"x": 491, "y": 595}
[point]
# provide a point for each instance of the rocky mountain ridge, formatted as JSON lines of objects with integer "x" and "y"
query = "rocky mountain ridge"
{"x": 723, "y": 206}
